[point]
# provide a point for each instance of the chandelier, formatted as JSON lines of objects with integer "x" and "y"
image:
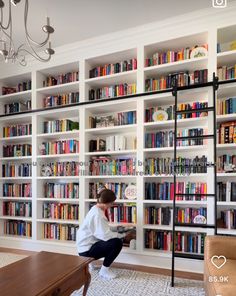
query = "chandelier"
{"x": 30, "y": 47}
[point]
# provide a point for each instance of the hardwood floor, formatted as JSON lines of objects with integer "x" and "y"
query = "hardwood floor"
{"x": 154, "y": 270}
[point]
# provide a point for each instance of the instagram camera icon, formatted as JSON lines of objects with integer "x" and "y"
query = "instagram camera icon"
{"x": 219, "y": 3}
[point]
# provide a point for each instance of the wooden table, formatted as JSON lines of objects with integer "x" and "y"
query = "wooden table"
{"x": 45, "y": 274}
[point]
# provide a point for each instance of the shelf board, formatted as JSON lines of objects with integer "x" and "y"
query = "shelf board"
{"x": 118, "y": 152}
{"x": 59, "y": 242}
{"x": 226, "y": 231}
{"x": 226, "y": 58}
{"x": 116, "y": 201}
{"x": 178, "y": 202}
{"x": 226, "y": 203}
{"x": 59, "y": 221}
{"x": 58, "y": 155}
{"x": 16, "y": 138}
{"x": 16, "y": 198}
{"x": 59, "y": 178}
{"x": 226, "y": 117}
{"x": 110, "y": 177}
{"x": 191, "y": 229}
{"x": 113, "y": 129}
{"x": 18, "y": 95}
{"x": 225, "y": 175}
{"x": 122, "y": 77}
{"x": 15, "y": 178}
{"x": 16, "y": 218}
{"x": 189, "y": 64}
{"x": 226, "y": 90}
{"x": 15, "y": 237}
{"x": 16, "y": 158}
{"x": 115, "y": 224}
{"x": 179, "y": 148}
{"x": 158, "y": 227}
{"x": 59, "y": 134}
{"x": 59, "y": 89}
{"x": 226, "y": 146}
{"x": 186, "y": 122}
{"x": 156, "y": 252}
{"x": 62, "y": 200}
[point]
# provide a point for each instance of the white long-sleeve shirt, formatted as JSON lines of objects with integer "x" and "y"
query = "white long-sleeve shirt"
{"x": 95, "y": 227}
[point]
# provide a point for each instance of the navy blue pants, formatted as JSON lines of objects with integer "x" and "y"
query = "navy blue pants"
{"x": 108, "y": 250}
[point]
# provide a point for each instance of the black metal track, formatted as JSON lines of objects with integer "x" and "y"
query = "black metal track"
{"x": 207, "y": 109}
{"x": 189, "y": 256}
{"x": 195, "y": 137}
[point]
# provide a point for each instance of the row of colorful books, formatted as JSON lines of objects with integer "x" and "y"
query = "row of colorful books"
{"x": 182, "y": 78}
{"x": 60, "y": 211}
{"x": 22, "y": 86}
{"x": 60, "y": 168}
{"x": 60, "y": 231}
{"x": 187, "y": 215}
{"x": 17, "y": 130}
{"x": 22, "y": 228}
{"x": 17, "y": 190}
{"x": 226, "y": 163}
{"x": 170, "y": 56}
{"x": 59, "y": 100}
{"x": 17, "y": 170}
{"x": 186, "y": 242}
{"x": 118, "y": 188}
{"x": 60, "y": 125}
{"x": 122, "y": 214}
{"x": 226, "y": 72}
{"x": 17, "y": 209}
{"x": 112, "y": 91}
{"x": 61, "y": 190}
{"x": 184, "y": 166}
{"x": 226, "y": 133}
{"x": 157, "y": 215}
{"x": 229, "y": 219}
{"x": 165, "y": 190}
{"x": 59, "y": 147}
{"x": 61, "y": 79}
{"x": 227, "y": 106}
{"x": 17, "y": 150}
{"x": 120, "y": 118}
{"x": 109, "y": 69}
{"x": 108, "y": 166}
{"x": 17, "y": 107}
{"x": 226, "y": 191}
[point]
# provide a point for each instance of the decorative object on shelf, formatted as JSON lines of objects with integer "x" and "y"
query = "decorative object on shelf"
{"x": 198, "y": 52}
{"x": 7, "y": 46}
{"x": 160, "y": 115}
{"x": 131, "y": 192}
{"x": 46, "y": 171}
{"x": 199, "y": 219}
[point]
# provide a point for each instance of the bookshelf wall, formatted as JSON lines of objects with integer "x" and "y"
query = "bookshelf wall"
{"x": 49, "y": 215}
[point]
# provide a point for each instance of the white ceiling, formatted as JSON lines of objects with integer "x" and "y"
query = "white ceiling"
{"x": 76, "y": 20}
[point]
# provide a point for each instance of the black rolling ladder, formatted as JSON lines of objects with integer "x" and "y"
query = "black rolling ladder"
{"x": 212, "y": 195}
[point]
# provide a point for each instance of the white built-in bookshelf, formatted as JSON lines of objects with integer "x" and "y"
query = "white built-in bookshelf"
{"x": 59, "y": 214}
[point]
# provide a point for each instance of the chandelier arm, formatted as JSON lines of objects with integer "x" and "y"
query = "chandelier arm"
{"x": 9, "y": 19}
{"x": 26, "y": 29}
{"x": 34, "y": 54}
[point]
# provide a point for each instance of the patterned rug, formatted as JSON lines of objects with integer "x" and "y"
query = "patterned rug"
{"x": 133, "y": 283}
{"x": 8, "y": 258}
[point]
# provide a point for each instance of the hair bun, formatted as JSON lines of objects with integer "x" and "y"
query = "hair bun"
{"x": 101, "y": 189}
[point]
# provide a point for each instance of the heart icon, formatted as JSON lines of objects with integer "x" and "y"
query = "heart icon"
{"x": 218, "y": 261}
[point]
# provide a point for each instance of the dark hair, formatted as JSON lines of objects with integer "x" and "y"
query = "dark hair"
{"x": 105, "y": 196}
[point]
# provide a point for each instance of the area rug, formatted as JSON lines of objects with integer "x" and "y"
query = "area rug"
{"x": 133, "y": 283}
{"x": 8, "y": 258}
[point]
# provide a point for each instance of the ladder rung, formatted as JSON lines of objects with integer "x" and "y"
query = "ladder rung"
{"x": 189, "y": 256}
{"x": 192, "y": 225}
{"x": 194, "y": 194}
{"x": 194, "y": 137}
{"x": 195, "y": 110}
